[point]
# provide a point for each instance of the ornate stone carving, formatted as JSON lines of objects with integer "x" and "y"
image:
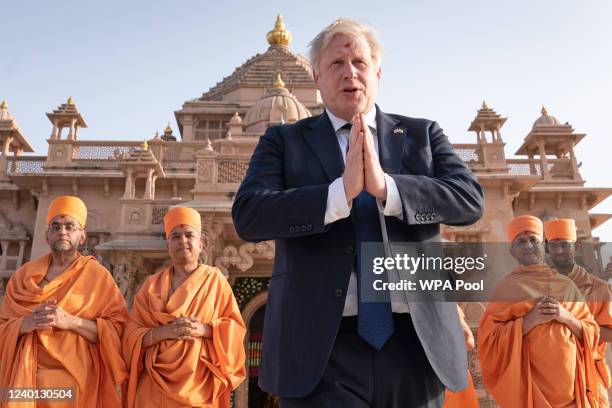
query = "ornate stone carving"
{"x": 212, "y": 233}
{"x": 242, "y": 257}
{"x": 59, "y": 153}
{"x": 8, "y": 229}
{"x": 125, "y": 267}
{"x": 205, "y": 171}
{"x": 135, "y": 215}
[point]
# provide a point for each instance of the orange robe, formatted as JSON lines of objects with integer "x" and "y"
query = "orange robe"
{"x": 63, "y": 358}
{"x": 547, "y": 367}
{"x": 466, "y": 398}
{"x": 185, "y": 373}
{"x": 598, "y": 296}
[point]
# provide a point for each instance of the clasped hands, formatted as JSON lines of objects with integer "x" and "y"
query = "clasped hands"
{"x": 544, "y": 311}
{"x": 48, "y": 315}
{"x": 362, "y": 170}
{"x": 182, "y": 328}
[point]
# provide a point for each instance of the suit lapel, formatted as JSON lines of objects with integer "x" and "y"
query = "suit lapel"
{"x": 390, "y": 142}
{"x": 322, "y": 139}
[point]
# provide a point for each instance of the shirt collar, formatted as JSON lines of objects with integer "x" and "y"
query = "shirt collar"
{"x": 337, "y": 122}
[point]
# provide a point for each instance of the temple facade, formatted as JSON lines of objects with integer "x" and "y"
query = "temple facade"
{"x": 128, "y": 186}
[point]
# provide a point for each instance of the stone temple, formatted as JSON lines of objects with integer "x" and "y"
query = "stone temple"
{"x": 129, "y": 185}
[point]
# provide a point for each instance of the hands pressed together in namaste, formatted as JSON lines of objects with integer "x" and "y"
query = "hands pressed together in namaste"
{"x": 362, "y": 170}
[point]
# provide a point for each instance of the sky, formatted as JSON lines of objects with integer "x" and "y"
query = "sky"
{"x": 130, "y": 65}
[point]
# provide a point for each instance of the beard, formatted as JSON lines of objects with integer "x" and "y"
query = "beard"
{"x": 562, "y": 261}
{"x": 63, "y": 246}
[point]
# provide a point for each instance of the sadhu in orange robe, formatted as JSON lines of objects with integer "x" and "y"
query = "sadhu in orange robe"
{"x": 549, "y": 366}
{"x": 599, "y": 297}
{"x": 62, "y": 358}
{"x": 185, "y": 373}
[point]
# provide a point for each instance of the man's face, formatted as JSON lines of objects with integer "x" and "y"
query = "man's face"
{"x": 347, "y": 76}
{"x": 65, "y": 234}
{"x": 527, "y": 248}
{"x": 185, "y": 244}
{"x": 562, "y": 252}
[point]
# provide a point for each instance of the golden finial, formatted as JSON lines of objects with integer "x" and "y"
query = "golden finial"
{"x": 544, "y": 111}
{"x": 278, "y": 84}
{"x": 144, "y": 146}
{"x": 484, "y": 105}
{"x": 70, "y": 101}
{"x": 168, "y": 129}
{"x": 4, "y": 106}
{"x": 280, "y": 35}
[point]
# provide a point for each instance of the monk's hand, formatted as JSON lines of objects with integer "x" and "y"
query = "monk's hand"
{"x": 375, "y": 182}
{"x": 183, "y": 328}
{"x": 353, "y": 177}
{"x": 537, "y": 315}
{"x": 59, "y": 318}
{"x": 556, "y": 310}
{"x": 195, "y": 328}
{"x": 38, "y": 319}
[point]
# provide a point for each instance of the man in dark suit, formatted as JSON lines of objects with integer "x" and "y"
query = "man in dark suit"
{"x": 321, "y": 187}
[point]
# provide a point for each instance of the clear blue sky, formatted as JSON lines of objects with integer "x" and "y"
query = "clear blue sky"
{"x": 130, "y": 64}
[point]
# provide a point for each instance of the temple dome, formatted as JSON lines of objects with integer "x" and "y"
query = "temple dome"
{"x": 546, "y": 119}
{"x": 277, "y": 106}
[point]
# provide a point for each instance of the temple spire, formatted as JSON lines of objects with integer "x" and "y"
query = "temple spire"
{"x": 280, "y": 35}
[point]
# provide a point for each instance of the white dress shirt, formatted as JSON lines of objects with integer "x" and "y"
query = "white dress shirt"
{"x": 337, "y": 208}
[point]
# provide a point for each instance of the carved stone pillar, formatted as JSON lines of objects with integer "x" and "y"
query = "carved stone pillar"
{"x": 4, "y": 257}
{"x": 543, "y": 159}
{"x": 129, "y": 185}
{"x": 6, "y": 143}
{"x": 55, "y": 132}
{"x": 574, "y": 164}
{"x": 149, "y": 185}
{"x": 125, "y": 271}
{"x": 72, "y": 132}
{"x": 22, "y": 245}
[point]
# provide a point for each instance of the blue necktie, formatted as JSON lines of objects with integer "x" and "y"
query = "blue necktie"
{"x": 375, "y": 319}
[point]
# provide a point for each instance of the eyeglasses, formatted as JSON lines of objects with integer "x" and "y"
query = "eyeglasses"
{"x": 527, "y": 243}
{"x": 560, "y": 244}
{"x": 57, "y": 227}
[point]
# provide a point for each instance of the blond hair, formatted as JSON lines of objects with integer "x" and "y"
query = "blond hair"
{"x": 350, "y": 28}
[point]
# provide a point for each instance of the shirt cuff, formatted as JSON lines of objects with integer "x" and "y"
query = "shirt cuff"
{"x": 393, "y": 203}
{"x": 337, "y": 207}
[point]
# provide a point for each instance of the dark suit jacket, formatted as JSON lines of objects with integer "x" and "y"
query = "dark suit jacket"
{"x": 283, "y": 197}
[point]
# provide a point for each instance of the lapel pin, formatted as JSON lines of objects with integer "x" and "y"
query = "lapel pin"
{"x": 398, "y": 130}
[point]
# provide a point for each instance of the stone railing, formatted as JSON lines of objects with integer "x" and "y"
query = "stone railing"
{"x": 91, "y": 150}
{"x": 468, "y": 152}
{"x": 22, "y": 165}
{"x": 555, "y": 169}
{"x": 524, "y": 167}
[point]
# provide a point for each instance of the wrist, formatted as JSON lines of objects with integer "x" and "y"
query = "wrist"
{"x": 73, "y": 321}
{"x": 158, "y": 334}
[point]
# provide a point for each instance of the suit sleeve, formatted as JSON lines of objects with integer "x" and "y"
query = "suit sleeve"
{"x": 265, "y": 209}
{"x": 451, "y": 196}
